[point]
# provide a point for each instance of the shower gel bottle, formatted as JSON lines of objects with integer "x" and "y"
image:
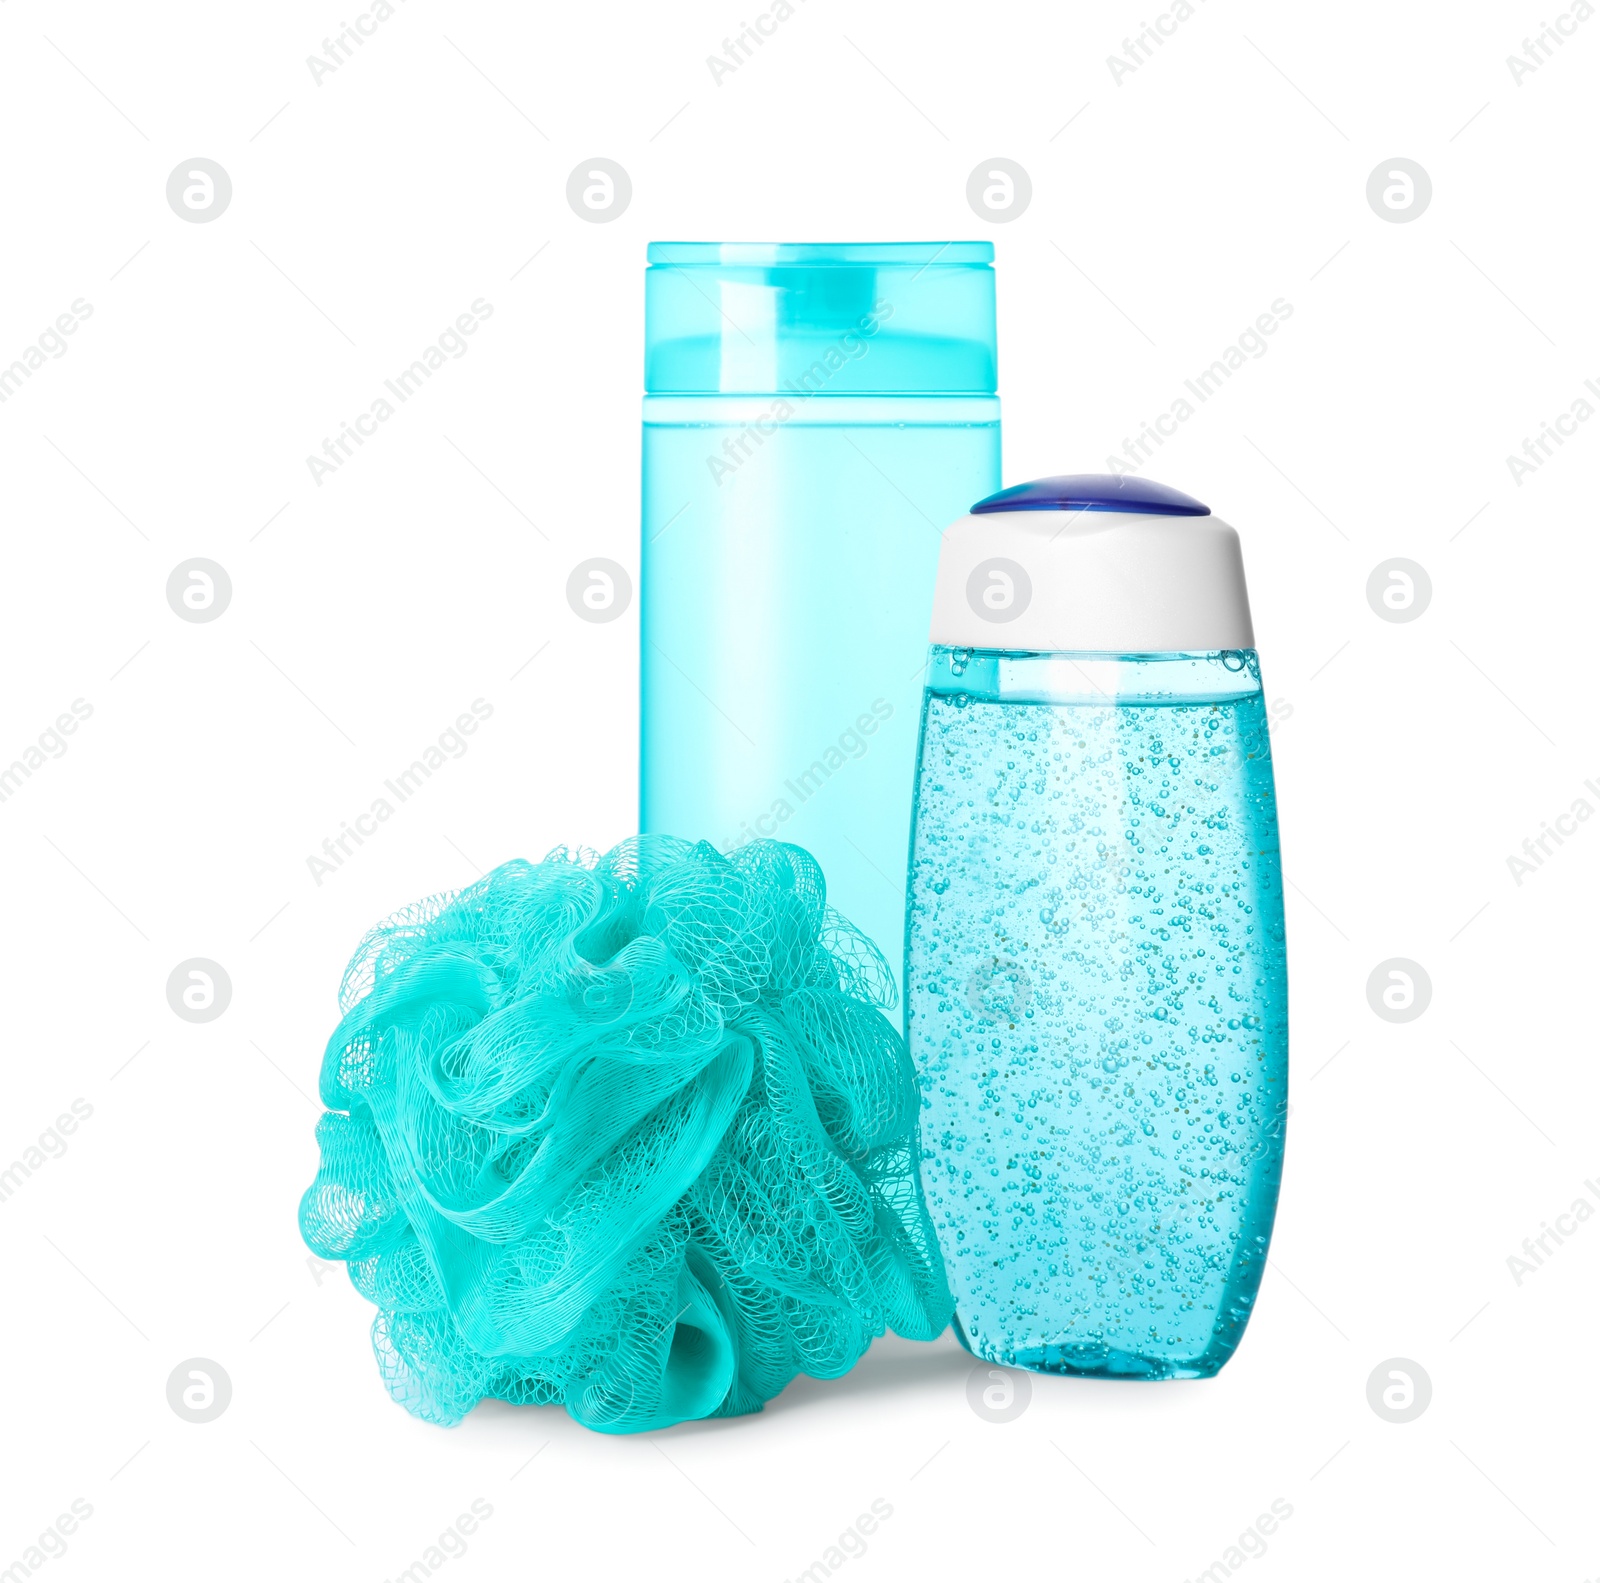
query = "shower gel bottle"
{"x": 816, "y": 413}
{"x": 1096, "y": 988}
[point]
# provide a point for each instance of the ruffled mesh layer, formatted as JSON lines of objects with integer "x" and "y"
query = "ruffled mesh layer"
{"x": 626, "y": 1133}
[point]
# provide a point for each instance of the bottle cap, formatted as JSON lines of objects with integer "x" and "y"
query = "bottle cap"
{"x": 1091, "y": 563}
{"x": 820, "y": 318}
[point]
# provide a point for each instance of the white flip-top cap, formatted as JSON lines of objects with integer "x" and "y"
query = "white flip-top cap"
{"x": 1087, "y": 563}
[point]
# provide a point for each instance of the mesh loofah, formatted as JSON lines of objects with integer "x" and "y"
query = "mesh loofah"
{"x": 628, "y": 1133}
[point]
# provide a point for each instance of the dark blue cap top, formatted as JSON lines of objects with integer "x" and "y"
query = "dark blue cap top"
{"x": 1095, "y": 492}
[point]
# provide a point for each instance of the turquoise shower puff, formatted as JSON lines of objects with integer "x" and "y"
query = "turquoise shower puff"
{"x": 627, "y": 1133}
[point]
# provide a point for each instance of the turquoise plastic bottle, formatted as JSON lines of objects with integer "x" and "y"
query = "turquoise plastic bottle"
{"x": 815, "y": 414}
{"x": 1096, "y": 981}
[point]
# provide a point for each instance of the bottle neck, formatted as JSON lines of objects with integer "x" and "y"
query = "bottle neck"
{"x": 1108, "y": 680}
{"x": 788, "y": 409}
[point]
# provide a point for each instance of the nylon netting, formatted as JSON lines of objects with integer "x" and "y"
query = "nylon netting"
{"x": 626, "y": 1133}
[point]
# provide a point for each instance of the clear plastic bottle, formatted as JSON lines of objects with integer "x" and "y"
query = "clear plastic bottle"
{"x": 1096, "y": 980}
{"x": 816, "y": 413}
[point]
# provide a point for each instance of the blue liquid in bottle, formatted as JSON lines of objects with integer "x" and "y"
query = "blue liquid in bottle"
{"x": 1097, "y": 1003}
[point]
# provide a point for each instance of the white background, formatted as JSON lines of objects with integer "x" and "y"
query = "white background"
{"x": 1226, "y": 172}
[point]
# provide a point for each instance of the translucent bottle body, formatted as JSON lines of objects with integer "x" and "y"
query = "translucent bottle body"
{"x": 785, "y": 617}
{"x": 1097, "y": 1003}
{"x": 815, "y": 414}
